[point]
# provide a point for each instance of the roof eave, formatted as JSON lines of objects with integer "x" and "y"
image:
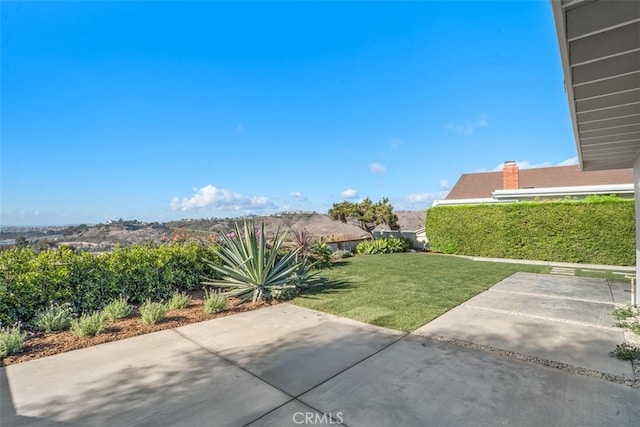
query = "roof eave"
{"x": 559, "y": 17}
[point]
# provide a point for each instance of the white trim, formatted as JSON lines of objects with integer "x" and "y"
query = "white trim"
{"x": 581, "y": 190}
{"x": 467, "y": 201}
{"x": 510, "y": 196}
{"x": 559, "y": 16}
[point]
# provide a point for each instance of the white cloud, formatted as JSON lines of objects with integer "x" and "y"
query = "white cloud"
{"x": 420, "y": 197}
{"x": 377, "y": 168}
{"x": 418, "y": 201}
{"x": 298, "y": 196}
{"x": 395, "y": 142}
{"x": 569, "y": 162}
{"x": 468, "y": 127}
{"x": 350, "y": 193}
{"x": 444, "y": 185}
{"x": 526, "y": 165}
{"x": 220, "y": 199}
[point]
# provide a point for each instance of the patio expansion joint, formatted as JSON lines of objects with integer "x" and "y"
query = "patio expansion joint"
{"x": 231, "y": 362}
{"x": 551, "y": 319}
{"x": 512, "y": 355}
{"x": 533, "y": 294}
{"x": 292, "y": 398}
{"x": 610, "y": 290}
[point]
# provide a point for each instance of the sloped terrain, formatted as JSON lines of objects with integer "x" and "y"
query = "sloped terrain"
{"x": 105, "y": 236}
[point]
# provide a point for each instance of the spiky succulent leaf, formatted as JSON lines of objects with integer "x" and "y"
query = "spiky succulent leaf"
{"x": 251, "y": 269}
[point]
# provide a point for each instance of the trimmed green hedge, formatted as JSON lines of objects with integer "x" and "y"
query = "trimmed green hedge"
{"x": 597, "y": 230}
{"x": 30, "y": 281}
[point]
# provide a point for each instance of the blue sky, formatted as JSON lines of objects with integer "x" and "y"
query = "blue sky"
{"x": 167, "y": 110}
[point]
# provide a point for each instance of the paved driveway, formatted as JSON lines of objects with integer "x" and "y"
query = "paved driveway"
{"x": 285, "y": 365}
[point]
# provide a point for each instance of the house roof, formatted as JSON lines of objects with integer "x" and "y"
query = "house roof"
{"x": 483, "y": 184}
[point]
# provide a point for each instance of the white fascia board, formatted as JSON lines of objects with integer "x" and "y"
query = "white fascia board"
{"x": 466, "y": 201}
{"x": 581, "y": 190}
{"x": 560, "y": 18}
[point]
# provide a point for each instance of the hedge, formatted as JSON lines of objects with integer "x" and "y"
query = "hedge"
{"x": 30, "y": 281}
{"x": 596, "y": 230}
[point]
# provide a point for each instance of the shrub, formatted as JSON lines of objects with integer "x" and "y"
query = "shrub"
{"x": 320, "y": 254}
{"x": 214, "y": 302}
{"x": 11, "y": 340}
{"x": 53, "y": 318}
{"x": 626, "y": 352}
{"x": 252, "y": 267}
{"x": 88, "y": 324}
{"x": 29, "y": 282}
{"x": 623, "y": 313}
{"x": 178, "y": 300}
{"x": 383, "y": 246}
{"x": 341, "y": 254}
{"x": 117, "y": 309}
{"x": 597, "y": 230}
{"x": 152, "y": 312}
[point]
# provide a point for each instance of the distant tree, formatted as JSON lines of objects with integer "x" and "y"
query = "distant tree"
{"x": 21, "y": 241}
{"x": 41, "y": 245}
{"x": 365, "y": 214}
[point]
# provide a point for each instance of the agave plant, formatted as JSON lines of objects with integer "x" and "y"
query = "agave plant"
{"x": 252, "y": 267}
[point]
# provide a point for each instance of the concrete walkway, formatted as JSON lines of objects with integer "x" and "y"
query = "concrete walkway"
{"x": 562, "y": 319}
{"x": 572, "y": 265}
{"x": 286, "y": 366}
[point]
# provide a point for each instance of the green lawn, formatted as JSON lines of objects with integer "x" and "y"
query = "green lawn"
{"x": 403, "y": 291}
{"x": 603, "y": 275}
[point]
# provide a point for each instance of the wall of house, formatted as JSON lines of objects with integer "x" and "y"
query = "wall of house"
{"x": 347, "y": 245}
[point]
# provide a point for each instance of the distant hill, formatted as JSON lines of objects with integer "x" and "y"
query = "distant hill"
{"x": 103, "y": 237}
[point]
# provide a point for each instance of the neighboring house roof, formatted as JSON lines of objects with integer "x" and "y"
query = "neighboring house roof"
{"x": 482, "y": 185}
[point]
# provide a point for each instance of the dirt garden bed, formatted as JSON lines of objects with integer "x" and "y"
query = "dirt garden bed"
{"x": 40, "y": 345}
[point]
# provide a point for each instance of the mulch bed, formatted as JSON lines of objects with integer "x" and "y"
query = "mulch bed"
{"x": 40, "y": 345}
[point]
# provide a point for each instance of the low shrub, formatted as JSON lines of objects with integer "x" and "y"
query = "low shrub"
{"x": 88, "y": 324}
{"x": 626, "y": 352}
{"x": 11, "y": 340}
{"x": 284, "y": 294}
{"x": 117, "y": 309}
{"x": 53, "y": 318}
{"x": 623, "y": 313}
{"x": 178, "y": 301}
{"x": 214, "y": 302}
{"x": 383, "y": 246}
{"x": 152, "y": 312}
{"x": 319, "y": 254}
{"x": 629, "y": 317}
{"x": 341, "y": 254}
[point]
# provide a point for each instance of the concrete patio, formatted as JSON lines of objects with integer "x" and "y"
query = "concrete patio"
{"x": 286, "y": 365}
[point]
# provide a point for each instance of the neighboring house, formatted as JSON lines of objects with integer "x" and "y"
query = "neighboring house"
{"x": 513, "y": 184}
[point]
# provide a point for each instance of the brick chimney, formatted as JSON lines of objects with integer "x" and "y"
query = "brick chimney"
{"x": 510, "y": 176}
